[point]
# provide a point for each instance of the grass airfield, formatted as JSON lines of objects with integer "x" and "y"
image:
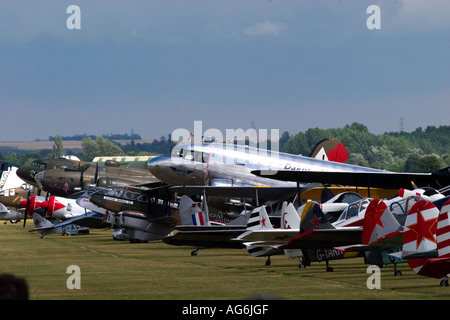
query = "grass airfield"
{"x": 118, "y": 270}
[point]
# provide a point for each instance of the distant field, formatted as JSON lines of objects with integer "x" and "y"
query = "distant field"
{"x": 42, "y": 145}
{"x": 113, "y": 270}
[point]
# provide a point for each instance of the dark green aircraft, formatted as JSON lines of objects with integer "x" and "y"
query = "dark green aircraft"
{"x": 27, "y": 173}
{"x": 66, "y": 181}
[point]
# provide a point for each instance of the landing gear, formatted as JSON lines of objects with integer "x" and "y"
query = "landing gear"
{"x": 303, "y": 263}
{"x": 194, "y": 252}
{"x": 444, "y": 283}
{"x": 268, "y": 262}
{"x": 397, "y": 272}
{"x": 328, "y": 268}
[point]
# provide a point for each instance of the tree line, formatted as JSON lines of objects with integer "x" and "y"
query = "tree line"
{"x": 423, "y": 150}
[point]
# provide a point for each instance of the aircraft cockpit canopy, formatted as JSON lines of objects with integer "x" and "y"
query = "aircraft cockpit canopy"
{"x": 354, "y": 209}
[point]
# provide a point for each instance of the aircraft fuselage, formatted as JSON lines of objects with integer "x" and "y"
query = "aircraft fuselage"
{"x": 228, "y": 164}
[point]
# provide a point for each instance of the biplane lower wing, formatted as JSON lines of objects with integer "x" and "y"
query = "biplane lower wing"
{"x": 325, "y": 238}
{"x": 211, "y": 238}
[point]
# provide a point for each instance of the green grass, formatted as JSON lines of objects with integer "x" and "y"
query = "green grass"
{"x": 113, "y": 270}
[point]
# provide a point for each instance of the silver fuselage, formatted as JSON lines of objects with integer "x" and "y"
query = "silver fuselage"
{"x": 229, "y": 164}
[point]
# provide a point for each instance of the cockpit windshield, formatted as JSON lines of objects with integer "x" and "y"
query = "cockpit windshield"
{"x": 190, "y": 155}
{"x": 354, "y": 209}
{"x": 39, "y": 164}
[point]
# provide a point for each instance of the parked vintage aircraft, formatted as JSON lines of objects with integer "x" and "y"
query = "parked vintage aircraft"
{"x": 219, "y": 164}
{"x": 27, "y": 173}
{"x": 6, "y": 214}
{"x": 426, "y": 245}
{"x": 144, "y": 212}
{"x": 62, "y": 215}
{"x": 65, "y": 181}
{"x": 305, "y": 233}
{"x": 13, "y": 191}
{"x": 197, "y": 230}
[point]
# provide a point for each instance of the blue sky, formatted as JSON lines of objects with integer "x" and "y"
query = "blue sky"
{"x": 155, "y": 66}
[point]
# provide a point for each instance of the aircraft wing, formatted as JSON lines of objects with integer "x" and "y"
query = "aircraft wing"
{"x": 209, "y": 228}
{"x": 219, "y": 238}
{"x": 388, "y": 180}
{"x": 269, "y": 236}
{"x": 262, "y": 192}
{"x": 312, "y": 239}
{"x": 325, "y": 238}
{"x": 393, "y": 240}
{"x": 89, "y": 220}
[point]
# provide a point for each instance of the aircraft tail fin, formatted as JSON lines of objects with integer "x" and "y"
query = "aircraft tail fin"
{"x": 420, "y": 232}
{"x": 3, "y": 209}
{"x": 443, "y": 231}
{"x": 378, "y": 222}
{"x": 290, "y": 218}
{"x": 330, "y": 149}
{"x": 404, "y": 193}
{"x": 191, "y": 214}
{"x": 259, "y": 219}
{"x": 40, "y": 222}
{"x": 312, "y": 217}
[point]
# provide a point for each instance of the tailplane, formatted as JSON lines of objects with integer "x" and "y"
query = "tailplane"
{"x": 191, "y": 214}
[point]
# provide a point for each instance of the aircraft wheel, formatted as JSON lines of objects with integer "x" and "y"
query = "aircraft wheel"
{"x": 398, "y": 273}
{"x": 330, "y": 269}
{"x": 444, "y": 283}
{"x": 268, "y": 262}
{"x": 194, "y": 253}
{"x": 302, "y": 263}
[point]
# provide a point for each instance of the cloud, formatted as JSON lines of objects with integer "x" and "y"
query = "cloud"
{"x": 265, "y": 28}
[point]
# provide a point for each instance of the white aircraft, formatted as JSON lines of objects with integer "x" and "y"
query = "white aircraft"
{"x": 62, "y": 215}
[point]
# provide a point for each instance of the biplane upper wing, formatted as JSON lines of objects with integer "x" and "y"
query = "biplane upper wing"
{"x": 389, "y": 180}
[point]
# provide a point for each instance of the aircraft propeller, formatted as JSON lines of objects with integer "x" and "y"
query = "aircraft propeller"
{"x": 30, "y": 204}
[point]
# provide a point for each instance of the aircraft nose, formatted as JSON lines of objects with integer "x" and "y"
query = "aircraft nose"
{"x": 157, "y": 162}
{"x": 26, "y": 174}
